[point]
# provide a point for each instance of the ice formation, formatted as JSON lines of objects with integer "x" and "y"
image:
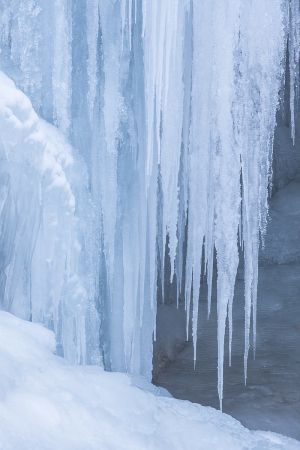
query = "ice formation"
{"x": 171, "y": 106}
{"x": 46, "y": 247}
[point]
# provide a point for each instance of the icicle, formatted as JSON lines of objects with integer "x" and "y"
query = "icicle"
{"x": 164, "y": 86}
{"x": 198, "y": 158}
{"x": 24, "y": 43}
{"x": 209, "y": 242}
{"x": 61, "y": 76}
{"x": 126, "y": 20}
{"x": 92, "y": 40}
{"x": 227, "y": 171}
{"x": 230, "y": 325}
{"x": 254, "y": 133}
{"x": 294, "y": 57}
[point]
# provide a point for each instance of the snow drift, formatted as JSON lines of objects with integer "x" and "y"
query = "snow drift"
{"x": 46, "y": 404}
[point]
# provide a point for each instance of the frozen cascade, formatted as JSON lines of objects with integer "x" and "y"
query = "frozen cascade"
{"x": 172, "y": 106}
{"x": 44, "y": 231}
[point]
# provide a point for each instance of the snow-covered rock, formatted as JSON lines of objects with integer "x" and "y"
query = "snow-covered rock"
{"x": 46, "y": 403}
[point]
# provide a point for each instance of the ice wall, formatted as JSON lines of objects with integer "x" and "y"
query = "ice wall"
{"x": 172, "y": 105}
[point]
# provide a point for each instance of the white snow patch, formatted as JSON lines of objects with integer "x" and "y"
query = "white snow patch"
{"x": 46, "y": 403}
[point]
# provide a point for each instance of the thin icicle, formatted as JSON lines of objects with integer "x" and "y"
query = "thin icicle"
{"x": 93, "y": 28}
{"x": 294, "y": 56}
{"x": 61, "y": 76}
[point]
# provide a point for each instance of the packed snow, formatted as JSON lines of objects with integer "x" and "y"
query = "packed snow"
{"x": 48, "y": 404}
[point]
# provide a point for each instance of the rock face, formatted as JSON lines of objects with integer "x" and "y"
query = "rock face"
{"x": 282, "y": 243}
{"x": 286, "y": 161}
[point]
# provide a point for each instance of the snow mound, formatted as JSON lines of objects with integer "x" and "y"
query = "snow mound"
{"x": 46, "y": 403}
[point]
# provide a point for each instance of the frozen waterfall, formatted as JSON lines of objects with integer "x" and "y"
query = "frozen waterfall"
{"x": 169, "y": 107}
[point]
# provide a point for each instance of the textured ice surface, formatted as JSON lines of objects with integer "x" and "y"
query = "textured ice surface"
{"x": 172, "y": 105}
{"x": 46, "y": 270}
{"x": 46, "y": 404}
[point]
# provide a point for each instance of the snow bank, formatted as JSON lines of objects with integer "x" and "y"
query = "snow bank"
{"x": 46, "y": 403}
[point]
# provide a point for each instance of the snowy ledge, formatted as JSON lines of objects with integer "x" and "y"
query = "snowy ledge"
{"x": 46, "y": 403}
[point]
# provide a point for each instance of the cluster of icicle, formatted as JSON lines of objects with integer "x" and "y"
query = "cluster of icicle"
{"x": 172, "y": 104}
